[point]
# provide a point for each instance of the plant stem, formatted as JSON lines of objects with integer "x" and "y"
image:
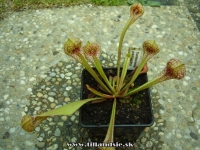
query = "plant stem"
{"x": 109, "y": 136}
{"x": 136, "y": 73}
{"x": 98, "y": 93}
{"x": 144, "y": 86}
{"x": 102, "y": 74}
{"x": 120, "y": 46}
{"x": 93, "y": 73}
{"x": 124, "y": 70}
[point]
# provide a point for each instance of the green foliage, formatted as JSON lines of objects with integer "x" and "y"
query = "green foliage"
{"x": 109, "y": 2}
{"x": 2, "y": 6}
{"x": 152, "y": 3}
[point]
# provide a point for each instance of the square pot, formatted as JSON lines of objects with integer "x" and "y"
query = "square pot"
{"x": 130, "y": 119}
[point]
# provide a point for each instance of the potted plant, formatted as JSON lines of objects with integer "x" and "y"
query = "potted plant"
{"x": 118, "y": 86}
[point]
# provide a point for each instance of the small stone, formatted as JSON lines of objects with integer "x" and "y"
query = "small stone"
{"x": 40, "y": 144}
{"x": 68, "y": 74}
{"x": 60, "y": 64}
{"x": 185, "y": 83}
{"x": 155, "y": 128}
{"x": 68, "y": 66}
{"x": 74, "y": 76}
{"x": 51, "y": 99}
{"x": 149, "y": 144}
{"x": 69, "y": 81}
{"x": 32, "y": 79}
{"x": 6, "y": 135}
{"x": 43, "y": 76}
{"x": 40, "y": 138}
{"x": 29, "y": 89}
{"x": 143, "y": 140}
{"x": 64, "y": 118}
{"x": 77, "y": 68}
{"x": 52, "y": 74}
{"x": 2, "y": 119}
{"x": 29, "y": 143}
{"x": 156, "y": 115}
{"x": 146, "y": 129}
{"x": 110, "y": 64}
{"x": 173, "y": 119}
{"x": 68, "y": 88}
{"x": 37, "y": 108}
{"x": 161, "y": 133}
{"x": 62, "y": 75}
{"x": 194, "y": 136}
{"x": 39, "y": 94}
{"x": 55, "y": 146}
{"x": 60, "y": 124}
{"x": 12, "y": 130}
{"x": 57, "y": 83}
{"x": 23, "y": 58}
{"x": 178, "y": 135}
{"x": 74, "y": 139}
{"x": 37, "y": 129}
{"x": 156, "y": 105}
{"x": 5, "y": 97}
{"x": 187, "y": 77}
{"x": 72, "y": 118}
{"x": 57, "y": 132}
{"x": 104, "y": 55}
{"x": 52, "y": 93}
{"x": 53, "y": 105}
{"x": 22, "y": 82}
{"x": 180, "y": 53}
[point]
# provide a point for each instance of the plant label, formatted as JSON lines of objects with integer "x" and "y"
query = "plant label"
{"x": 136, "y": 57}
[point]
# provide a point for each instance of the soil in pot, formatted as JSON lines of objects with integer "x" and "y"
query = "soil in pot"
{"x": 136, "y": 111}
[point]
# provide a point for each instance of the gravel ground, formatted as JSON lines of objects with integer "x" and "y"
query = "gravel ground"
{"x": 36, "y": 75}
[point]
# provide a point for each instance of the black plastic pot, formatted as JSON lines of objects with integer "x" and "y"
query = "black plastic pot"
{"x": 123, "y": 132}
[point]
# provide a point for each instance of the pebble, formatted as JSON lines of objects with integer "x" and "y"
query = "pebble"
{"x": 60, "y": 123}
{"x": 32, "y": 79}
{"x": 156, "y": 115}
{"x": 53, "y": 105}
{"x": 40, "y": 144}
{"x": 110, "y": 64}
{"x": 12, "y": 130}
{"x": 143, "y": 140}
{"x": 62, "y": 75}
{"x": 22, "y": 82}
{"x": 52, "y": 93}
{"x": 43, "y": 76}
{"x": 57, "y": 132}
{"x": 5, "y": 96}
{"x": 54, "y": 146}
{"x": 149, "y": 144}
{"x": 68, "y": 74}
{"x": 185, "y": 83}
{"x": 29, "y": 143}
{"x": 68, "y": 88}
{"x": 194, "y": 136}
{"x": 73, "y": 117}
{"x": 173, "y": 119}
{"x": 60, "y": 64}
{"x": 51, "y": 99}
{"x": 104, "y": 55}
{"x": 52, "y": 74}
{"x": 74, "y": 139}
{"x": 146, "y": 129}
{"x": 39, "y": 94}
{"x": 37, "y": 129}
{"x": 64, "y": 118}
